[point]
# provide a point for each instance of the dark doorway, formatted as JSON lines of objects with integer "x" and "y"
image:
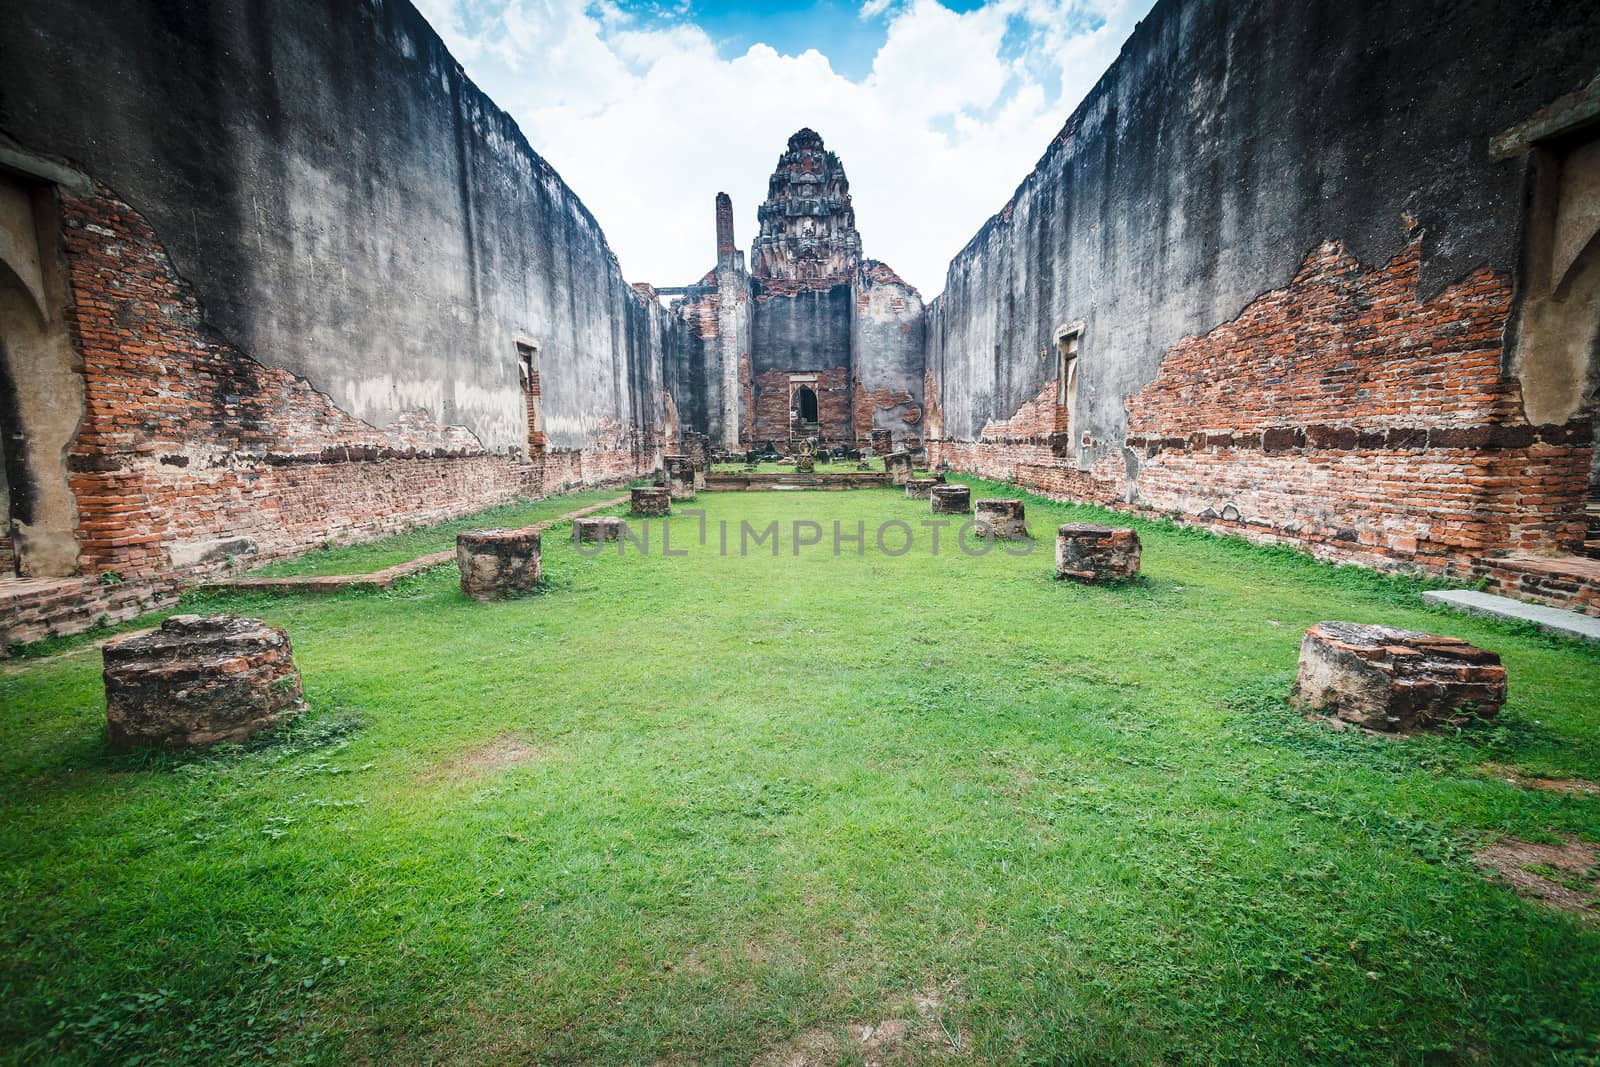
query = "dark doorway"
{"x": 805, "y": 404}
{"x": 532, "y": 396}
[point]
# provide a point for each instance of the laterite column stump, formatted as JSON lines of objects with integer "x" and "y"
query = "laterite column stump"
{"x": 1398, "y": 681}
{"x": 697, "y": 446}
{"x": 597, "y": 529}
{"x": 650, "y": 500}
{"x": 882, "y": 442}
{"x": 680, "y": 477}
{"x": 1003, "y": 519}
{"x": 498, "y": 563}
{"x": 1089, "y": 553}
{"x": 950, "y": 499}
{"x": 898, "y": 466}
{"x": 920, "y": 488}
{"x": 198, "y": 681}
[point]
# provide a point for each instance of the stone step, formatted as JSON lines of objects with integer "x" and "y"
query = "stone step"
{"x": 1551, "y": 620}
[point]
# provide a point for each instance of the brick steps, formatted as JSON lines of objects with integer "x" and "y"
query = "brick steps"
{"x": 759, "y": 482}
{"x": 1570, "y": 582}
{"x": 33, "y": 609}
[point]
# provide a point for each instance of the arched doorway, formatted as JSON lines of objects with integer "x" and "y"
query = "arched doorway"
{"x": 805, "y": 405}
{"x": 1554, "y": 335}
{"x": 41, "y": 394}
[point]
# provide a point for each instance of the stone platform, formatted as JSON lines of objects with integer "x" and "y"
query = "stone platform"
{"x": 780, "y": 480}
{"x": 1551, "y": 620}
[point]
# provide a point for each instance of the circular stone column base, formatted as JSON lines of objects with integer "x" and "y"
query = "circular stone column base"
{"x": 198, "y": 681}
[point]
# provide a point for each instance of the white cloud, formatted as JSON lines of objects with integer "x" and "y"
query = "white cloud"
{"x": 647, "y": 122}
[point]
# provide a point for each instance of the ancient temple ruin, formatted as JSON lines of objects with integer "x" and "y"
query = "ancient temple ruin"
{"x": 811, "y": 340}
{"x": 1333, "y": 311}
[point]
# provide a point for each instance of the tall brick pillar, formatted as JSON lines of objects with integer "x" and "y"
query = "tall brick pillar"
{"x": 725, "y": 246}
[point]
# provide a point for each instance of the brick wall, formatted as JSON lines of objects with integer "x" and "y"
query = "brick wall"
{"x": 1349, "y": 413}
{"x": 190, "y": 451}
{"x": 1342, "y": 412}
{"x": 868, "y": 402}
{"x": 834, "y": 396}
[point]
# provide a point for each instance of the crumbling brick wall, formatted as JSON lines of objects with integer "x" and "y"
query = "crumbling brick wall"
{"x": 1347, "y": 413}
{"x": 887, "y": 353}
{"x": 1343, "y": 412}
{"x": 190, "y": 452}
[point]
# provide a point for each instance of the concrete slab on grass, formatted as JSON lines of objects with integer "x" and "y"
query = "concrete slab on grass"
{"x": 1553, "y": 620}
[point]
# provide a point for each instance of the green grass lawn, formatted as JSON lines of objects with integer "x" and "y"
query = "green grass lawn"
{"x": 368, "y": 556}
{"x": 733, "y": 810}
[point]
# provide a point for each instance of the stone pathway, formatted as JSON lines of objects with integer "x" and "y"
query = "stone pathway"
{"x": 1553, "y": 620}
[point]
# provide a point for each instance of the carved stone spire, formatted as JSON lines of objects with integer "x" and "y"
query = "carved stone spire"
{"x": 808, "y": 228}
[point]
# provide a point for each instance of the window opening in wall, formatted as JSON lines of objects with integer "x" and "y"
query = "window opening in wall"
{"x": 1067, "y": 374}
{"x": 41, "y": 399}
{"x": 528, "y": 371}
{"x": 1554, "y": 334}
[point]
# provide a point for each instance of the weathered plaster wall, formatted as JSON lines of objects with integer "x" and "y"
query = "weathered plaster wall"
{"x": 703, "y": 356}
{"x": 887, "y": 343}
{"x": 298, "y": 251}
{"x": 806, "y": 331}
{"x": 692, "y": 371}
{"x": 736, "y": 312}
{"x": 347, "y": 205}
{"x": 800, "y": 330}
{"x": 1216, "y": 158}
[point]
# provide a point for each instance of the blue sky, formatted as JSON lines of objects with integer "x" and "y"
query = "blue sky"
{"x": 832, "y": 27}
{"x": 648, "y": 109}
